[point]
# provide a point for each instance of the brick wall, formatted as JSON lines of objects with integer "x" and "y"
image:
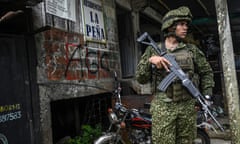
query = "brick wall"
{"x": 68, "y": 58}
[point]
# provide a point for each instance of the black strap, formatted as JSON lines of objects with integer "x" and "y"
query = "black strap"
{"x": 163, "y": 47}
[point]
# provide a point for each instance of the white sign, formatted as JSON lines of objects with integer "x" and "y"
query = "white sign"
{"x": 62, "y": 8}
{"x": 93, "y": 20}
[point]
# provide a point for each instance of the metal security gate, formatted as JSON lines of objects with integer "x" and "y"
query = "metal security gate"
{"x": 15, "y": 95}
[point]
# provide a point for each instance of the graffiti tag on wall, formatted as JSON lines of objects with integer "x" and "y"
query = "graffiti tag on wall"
{"x": 89, "y": 60}
{"x": 10, "y": 112}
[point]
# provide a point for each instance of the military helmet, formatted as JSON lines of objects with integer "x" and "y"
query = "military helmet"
{"x": 181, "y": 13}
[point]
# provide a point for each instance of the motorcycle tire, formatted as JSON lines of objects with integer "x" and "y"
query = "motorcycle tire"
{"x": 109, "y": 138}
{"x": 202, "y": 137}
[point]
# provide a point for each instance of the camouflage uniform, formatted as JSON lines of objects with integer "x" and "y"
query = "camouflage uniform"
{"x": 173, "y": 113}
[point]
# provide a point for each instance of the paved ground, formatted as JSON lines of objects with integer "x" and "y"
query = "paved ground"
{"x": 221, "y": 137}
{"x": 220, "y": 141}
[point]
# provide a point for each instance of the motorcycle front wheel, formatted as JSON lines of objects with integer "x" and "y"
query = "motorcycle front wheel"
{"x": 202, "y": 137}
{"x": 109, "y": 138}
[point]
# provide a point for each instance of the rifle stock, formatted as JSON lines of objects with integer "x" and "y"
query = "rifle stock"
{"x": 176, "y": 72}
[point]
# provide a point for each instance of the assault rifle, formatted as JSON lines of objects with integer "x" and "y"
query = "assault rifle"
{"x": 176, "y": 72}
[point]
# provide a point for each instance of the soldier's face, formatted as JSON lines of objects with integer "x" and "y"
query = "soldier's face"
{"x": 182, "y": 29}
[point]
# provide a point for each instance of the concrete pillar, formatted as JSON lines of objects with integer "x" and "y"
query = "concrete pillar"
{"x": 228, "y": 65}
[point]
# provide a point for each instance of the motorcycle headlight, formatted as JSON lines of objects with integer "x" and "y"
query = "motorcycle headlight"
{"x": 112, "y": 116}
{"x": 122, "y": 124}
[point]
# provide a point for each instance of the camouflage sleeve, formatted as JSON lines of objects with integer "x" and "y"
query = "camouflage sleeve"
{"x": 204, "y": 70}
{"x": 143, "y": 72}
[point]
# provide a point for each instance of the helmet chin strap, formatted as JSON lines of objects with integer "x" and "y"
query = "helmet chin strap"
{"x": 168, "y": 34}
{"x": 178, "y": 38}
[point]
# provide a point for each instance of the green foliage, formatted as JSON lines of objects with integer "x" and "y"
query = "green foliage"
{"x": 89, "y": 134}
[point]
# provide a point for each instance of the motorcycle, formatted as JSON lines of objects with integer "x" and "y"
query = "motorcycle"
{"x": 204, "y": 122}
{"x": 138, "y": 124}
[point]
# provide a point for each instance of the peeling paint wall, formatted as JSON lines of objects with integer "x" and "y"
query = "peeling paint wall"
{"x": 67, "y": 66}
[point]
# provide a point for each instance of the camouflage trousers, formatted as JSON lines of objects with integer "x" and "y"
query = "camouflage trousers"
{"x": 173, "y": 122}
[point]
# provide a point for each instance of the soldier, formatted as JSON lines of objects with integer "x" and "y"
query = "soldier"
{"x": 173, "y": 113}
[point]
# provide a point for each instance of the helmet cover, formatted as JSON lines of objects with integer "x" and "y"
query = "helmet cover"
{"x": 181, "y": 13}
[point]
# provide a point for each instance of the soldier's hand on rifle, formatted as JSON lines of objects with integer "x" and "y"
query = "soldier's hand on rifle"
{"x": 160, "y": 62}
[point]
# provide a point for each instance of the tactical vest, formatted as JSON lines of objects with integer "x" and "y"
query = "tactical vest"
{"x": 184, "y": 58}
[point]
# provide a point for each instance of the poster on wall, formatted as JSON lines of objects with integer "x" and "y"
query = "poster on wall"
{"x": 62, "y": 8}
{"x": 94, "y": 29}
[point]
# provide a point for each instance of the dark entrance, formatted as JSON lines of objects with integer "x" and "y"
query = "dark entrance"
{"x": 68, "y": 116}
{"x": 126, "y": 42}
{"x": 15, "y": 99}
{"x": 19, "y": 104}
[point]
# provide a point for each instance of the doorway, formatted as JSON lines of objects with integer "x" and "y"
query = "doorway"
{"x": 15, "y": 100}
{"x": 19, "y": 105}
{"x": 126, "y": 42}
